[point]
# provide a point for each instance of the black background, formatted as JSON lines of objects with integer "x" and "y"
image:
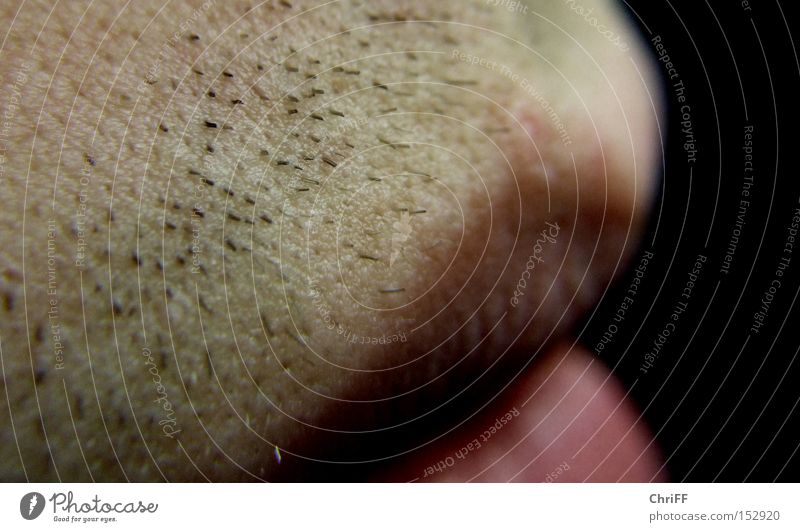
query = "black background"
{"x": 722, "y": 399}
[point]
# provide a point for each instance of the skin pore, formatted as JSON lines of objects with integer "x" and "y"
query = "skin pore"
{"x": 239, "y": 229}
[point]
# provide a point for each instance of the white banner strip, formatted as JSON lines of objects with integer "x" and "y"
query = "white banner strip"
{"x": 399, "y": 507}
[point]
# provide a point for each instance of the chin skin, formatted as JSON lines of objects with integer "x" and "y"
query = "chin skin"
{"x": 232, "y": 230}
{"x": 568, "y": 420}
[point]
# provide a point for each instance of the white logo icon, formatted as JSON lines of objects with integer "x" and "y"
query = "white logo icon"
{"x": 31, "y": 505}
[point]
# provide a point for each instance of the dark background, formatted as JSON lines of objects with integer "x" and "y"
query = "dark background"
{"x": 721, "y": 398}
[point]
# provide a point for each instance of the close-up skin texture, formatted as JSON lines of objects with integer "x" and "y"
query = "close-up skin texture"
{"x": 243, "y": 238}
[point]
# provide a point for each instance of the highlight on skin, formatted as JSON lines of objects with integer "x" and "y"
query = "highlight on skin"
{"x": 239, "y": 236}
